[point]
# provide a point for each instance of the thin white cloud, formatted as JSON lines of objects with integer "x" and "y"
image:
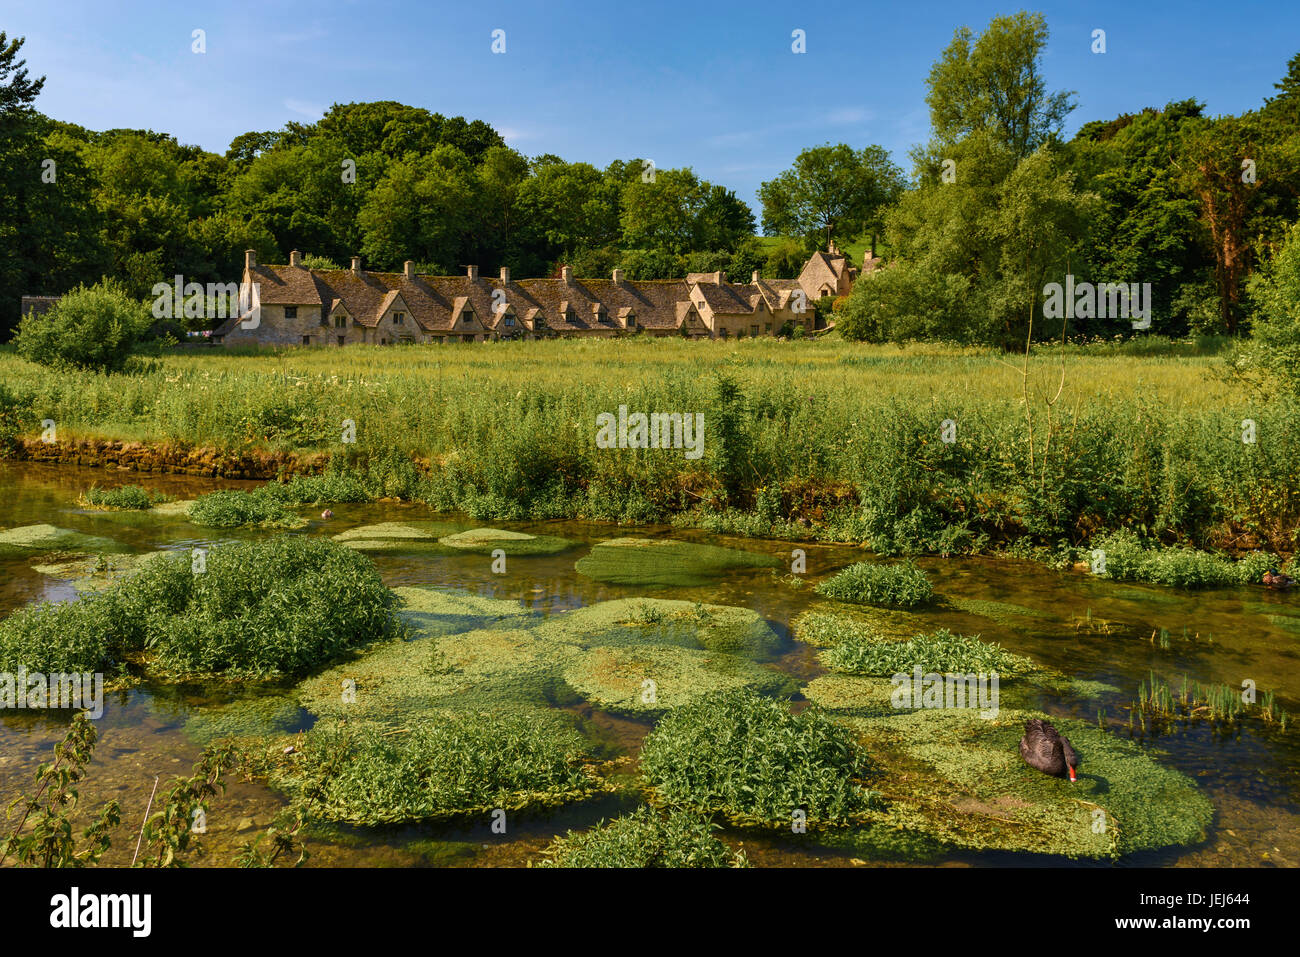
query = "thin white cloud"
{"x": 310, "y": 110}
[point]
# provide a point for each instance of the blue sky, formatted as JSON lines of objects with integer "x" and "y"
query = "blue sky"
{"x": 714, "y": 86}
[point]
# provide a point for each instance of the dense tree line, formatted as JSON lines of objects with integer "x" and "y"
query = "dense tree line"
{"x": 382, "y": 180}
{"x": 998, "y": 204}
{"x": 1002, "y": 205}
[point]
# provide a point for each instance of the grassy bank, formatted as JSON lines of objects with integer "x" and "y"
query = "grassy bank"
{"x": 814, "y": 439}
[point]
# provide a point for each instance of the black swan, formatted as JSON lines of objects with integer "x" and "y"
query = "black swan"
{"x": 1043, "y": 748}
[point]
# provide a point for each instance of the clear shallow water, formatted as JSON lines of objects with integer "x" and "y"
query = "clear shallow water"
{"x": 1252, "y": 774}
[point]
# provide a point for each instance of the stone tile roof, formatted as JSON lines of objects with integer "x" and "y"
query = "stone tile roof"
{"x": 593, "y": 306}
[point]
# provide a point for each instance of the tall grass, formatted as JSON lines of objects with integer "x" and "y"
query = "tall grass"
{"x": 844, "y": 438}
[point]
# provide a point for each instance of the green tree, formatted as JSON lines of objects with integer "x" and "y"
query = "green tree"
{"x": 423, "y": 209}
{"x": 1273, "y": 354}
{"x": 993, "y": 83}
{"x": 831, "y": 190}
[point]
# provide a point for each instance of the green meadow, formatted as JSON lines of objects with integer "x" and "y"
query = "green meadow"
{"x": 818, "y": 438}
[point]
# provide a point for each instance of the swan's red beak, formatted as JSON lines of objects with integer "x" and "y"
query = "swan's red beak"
{"x": 1073, "y": 779}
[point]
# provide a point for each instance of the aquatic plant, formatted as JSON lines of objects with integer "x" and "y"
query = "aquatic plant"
{"x": 826, "y": 628}
{"x": 750, "y": 760}
{"x": 258, "y": 609}
{"x": 940, "y": 652}
{"x": 99, "y": 572}
{"x": 661, "y": 561}
{"x": 642, "y": 839}
{"x": 441, "y": 766}
{"x": 245, "y": 718}
{"x": 854, "y": 693}
{"x": 662, "y": 621}
{"x": 888, "y": 586}
{"x": 332, "y": 488}
{"x": 229, "y": 508}
{"x": 1194, "y": 700}
{"x": 1004, "y": 613}
{"x": 959, "y": 779}
{"x": 415, "y": 537}
{"x": 639, "y": 679}
{"x": 275, "y": 607}
{"x": 439, "y": 611}
{"x": 133, "y": 497}
{"x": 34, "y": 539}
{"x": 88, "y": 635}
{"x": 488, "y": 540}
{"x": 1129, "y": 558}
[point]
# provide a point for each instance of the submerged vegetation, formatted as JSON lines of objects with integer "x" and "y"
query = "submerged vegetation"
{"x": 646, "y": 561}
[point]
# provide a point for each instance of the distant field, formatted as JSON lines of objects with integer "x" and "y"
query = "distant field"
{"x": 218, "y": 398}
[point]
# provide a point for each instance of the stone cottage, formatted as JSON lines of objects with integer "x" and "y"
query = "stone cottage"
{"x": 301, "y": 306}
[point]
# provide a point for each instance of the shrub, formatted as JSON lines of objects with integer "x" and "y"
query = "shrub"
{"x": 441, "y": 767}
{"x": 751, "y": 760}
{"x": 93, "y": 327}
{"x": 1129, "y": 559}
{"x": 889, "y": 586}
{"x": 125, "y": 497}
{"x": 228, "y": 508}
{"x": 941, "y": 652}
{"x": 644, "y": 839}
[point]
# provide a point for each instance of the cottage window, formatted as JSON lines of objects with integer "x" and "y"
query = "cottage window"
{"x": 341, "y": 338}
{"x": 340, "y": 321}
{"x": 631, "y": 320}
{"x": 510, "y": 320}
{"x": 291, "y": 312}
{"x": 399, "y": 318}
{"x": 306, "y": 340}
{"x": 753, "y": 330}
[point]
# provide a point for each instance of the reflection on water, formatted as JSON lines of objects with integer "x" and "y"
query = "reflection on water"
{"x": 1090, "y": 629}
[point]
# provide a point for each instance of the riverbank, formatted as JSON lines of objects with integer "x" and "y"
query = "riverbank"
{"x": 915, "y": 450}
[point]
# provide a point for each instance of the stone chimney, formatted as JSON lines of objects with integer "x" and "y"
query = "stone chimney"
{"x": 567, "y": 275}
{"x": 618, "y": 277}
{"x": 472, "y": 272}
{"x": 505, "y": 273}
{"x": 356, "y": 265}
{"x": 295, "y": 258}
{"x": 754, "y": 277}
{"x": 408, "y": 269}
{"x": 250, "y": 258}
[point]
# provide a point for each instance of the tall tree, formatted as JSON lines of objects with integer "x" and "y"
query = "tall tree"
{"x": 994, "y": 83}
{"x": 831, "y": 190}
